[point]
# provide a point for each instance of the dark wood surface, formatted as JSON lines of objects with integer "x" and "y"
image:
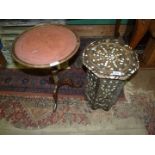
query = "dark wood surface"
{"x": 117, "y": 27}
{"x": 147, "y": 60}
{"x": 141, "y": 27}
{"x": 2, "y": 61}
{"x": 149, "y": 54}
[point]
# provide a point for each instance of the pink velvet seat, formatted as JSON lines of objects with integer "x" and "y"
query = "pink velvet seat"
{"x": 45, "y": 46}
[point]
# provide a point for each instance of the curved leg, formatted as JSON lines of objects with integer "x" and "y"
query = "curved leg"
{"x": 141, "y": 28}
{"x": 55, "y": 92}
{"x": 58, "y": 83}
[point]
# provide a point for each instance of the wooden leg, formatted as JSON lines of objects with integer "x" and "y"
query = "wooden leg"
{"x": 58, "y": 83}
{"x": 117, "y": 26}
{"x": 149, "y": 54}
{"x": 141, "y": 28}
{"x": 55, "y": 92}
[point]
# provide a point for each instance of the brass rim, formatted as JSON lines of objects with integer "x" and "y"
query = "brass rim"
{"x": 45, "y": 65}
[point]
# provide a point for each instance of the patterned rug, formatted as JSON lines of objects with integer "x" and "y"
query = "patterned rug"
{"x": 40, "y": 81}
{"x": 33, "y": 112}
{"x": 144, "y": 104}
{"x": 26, "y": 102}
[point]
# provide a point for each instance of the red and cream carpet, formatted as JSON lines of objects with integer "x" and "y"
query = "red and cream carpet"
{"x": 26, "y": 105}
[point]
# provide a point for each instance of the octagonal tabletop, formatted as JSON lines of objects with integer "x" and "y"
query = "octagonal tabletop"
{"x": 110, "y": 59}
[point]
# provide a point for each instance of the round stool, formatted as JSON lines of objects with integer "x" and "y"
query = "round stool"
{"x": 46, "y": 46}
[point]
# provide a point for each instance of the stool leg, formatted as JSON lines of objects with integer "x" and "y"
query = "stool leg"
{"x": 55, "y": 92}
{"x": 58, "y": 83}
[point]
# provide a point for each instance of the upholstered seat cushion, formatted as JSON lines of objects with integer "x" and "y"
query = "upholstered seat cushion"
{"x": 46, "y": 44}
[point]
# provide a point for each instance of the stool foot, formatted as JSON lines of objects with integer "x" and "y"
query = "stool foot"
{"x": 55, "y": 106}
